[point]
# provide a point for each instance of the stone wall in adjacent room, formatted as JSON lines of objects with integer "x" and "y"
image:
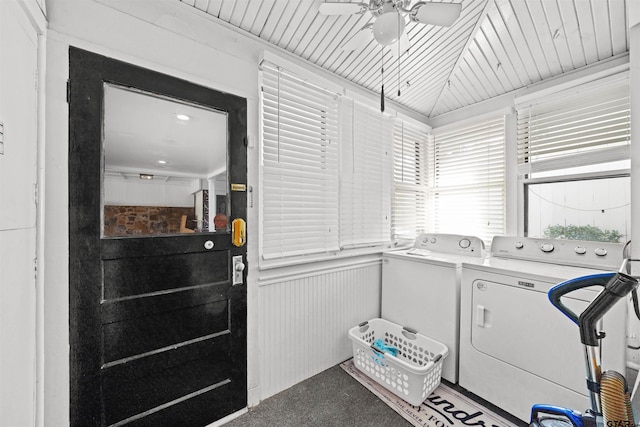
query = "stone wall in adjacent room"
{"x": 144, "y": 220}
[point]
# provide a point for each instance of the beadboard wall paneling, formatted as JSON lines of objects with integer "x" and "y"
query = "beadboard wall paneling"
{"x": 305, "y": 319}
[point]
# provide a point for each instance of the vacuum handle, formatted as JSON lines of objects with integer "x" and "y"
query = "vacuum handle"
{"x": 568, "y": 286}
{"x": 618, "y": 287}
{"x": 539, "y": 411}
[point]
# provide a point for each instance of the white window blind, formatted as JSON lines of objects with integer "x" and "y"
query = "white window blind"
{"x": 410, "y": 180}
{"x": 365, "y": 175}
{"x": 468, "y": 180}
{"x": 299, "y": 167}
{"x": 586, "y": 127}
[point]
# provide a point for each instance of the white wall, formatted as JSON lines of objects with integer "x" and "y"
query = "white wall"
{"x": 121, "y": 191}
{"x": 20, "y": 26}
{"x": 143, "y": 33}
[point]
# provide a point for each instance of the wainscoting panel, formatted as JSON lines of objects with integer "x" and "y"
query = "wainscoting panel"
{"x": 305, "y": 319}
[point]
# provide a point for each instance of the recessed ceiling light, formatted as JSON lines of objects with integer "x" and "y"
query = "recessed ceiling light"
{"x": 182, "y": 117}
{"x": 162, "y": 162}
{"x": 146, "y": 176}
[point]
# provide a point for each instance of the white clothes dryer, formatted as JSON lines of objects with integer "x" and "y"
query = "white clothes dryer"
{"x": 516, "y": 349}
{"x": 421, "y": 289}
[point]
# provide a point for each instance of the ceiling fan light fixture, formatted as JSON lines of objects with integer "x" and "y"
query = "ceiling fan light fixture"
{"x": 388, "y": 28}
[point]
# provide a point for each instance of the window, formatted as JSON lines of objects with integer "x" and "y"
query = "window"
{"x": 299, "y": 168}
{"x": 467, "y": 194}
{"x": 410, "y": 180}
{"x": 365, "y": 175}
{"x": 326, "y": 170}
{"x": 573, "y": 158}
{"x": 597, "y": 209}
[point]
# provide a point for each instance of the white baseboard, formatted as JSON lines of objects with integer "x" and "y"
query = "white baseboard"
{"x": 228, "y": 418}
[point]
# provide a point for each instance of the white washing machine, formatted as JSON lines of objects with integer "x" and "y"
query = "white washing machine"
{"x": 421, "y": 289}
{"x": 516, "y": 348}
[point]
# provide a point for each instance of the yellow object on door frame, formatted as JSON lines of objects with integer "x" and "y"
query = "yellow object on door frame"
{"x": 238, "y": 232}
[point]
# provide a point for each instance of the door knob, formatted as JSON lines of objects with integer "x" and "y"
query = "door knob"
{"x": 238, "y": 268}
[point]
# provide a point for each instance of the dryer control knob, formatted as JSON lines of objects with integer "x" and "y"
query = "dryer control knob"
{"x": 546, "y": 247}
{"x": 464, "y": 243}
{"x": 433, "y": 240}
{"x": 600, "y": 251}
{"x": 519, "y": 245}
{"x": 580, "y": 250}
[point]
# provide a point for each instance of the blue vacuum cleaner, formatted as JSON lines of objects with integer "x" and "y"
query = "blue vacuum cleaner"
{"x": 608, "y": 392}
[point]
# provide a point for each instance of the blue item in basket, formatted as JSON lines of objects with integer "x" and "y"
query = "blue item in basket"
{"x": 382, "y": 347}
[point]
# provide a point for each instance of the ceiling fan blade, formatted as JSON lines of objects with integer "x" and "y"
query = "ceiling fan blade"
{"x": 339, "y": 8}
{"x": 404, "y": 46}
{"x": 359, "y": 39}
{"x": 443, "y": 14}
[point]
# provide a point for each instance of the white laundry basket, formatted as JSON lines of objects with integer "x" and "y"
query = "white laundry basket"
{"x": 416, "y": 370}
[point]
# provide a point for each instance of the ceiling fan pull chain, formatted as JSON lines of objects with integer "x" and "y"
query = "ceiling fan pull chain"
{"x": 382, "y": 76}
{"x": 399, "y": 57}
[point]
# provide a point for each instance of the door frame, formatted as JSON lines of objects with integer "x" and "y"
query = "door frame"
{"x": 87, "y": 73}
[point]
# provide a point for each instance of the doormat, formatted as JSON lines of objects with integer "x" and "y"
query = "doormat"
{"x": 445, "y": 407}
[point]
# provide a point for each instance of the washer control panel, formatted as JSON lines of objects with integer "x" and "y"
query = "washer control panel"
{"x": 603, "y": 255}
{"x": 447, "y": 243}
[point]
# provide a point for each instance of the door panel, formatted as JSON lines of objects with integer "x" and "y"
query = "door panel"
{"x": 127, "y": 277}
{"x": 142, "y": 385}
{"x": 191, "y": 412}
{"x": 138, "y": 266}
{"x": 157, "y": 330}
{"x": 137, "y": 336}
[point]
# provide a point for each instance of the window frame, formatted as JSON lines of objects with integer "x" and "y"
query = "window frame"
{"x": 524, "y": 169}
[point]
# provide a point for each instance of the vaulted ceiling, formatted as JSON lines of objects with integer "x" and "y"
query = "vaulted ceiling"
{"x": 494, "y": 47}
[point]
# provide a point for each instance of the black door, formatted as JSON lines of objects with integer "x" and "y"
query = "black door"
{"x": 157, "y": 327}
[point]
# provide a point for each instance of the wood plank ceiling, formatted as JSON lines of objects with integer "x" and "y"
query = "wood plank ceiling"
{"x": 495, "y": 46}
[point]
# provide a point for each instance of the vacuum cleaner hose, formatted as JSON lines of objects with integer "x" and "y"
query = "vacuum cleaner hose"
{"x": 616, "y": 400}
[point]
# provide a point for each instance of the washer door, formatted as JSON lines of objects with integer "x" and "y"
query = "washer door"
{"x": 519, "y": 326}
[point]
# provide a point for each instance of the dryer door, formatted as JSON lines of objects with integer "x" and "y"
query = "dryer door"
{"x": 519, "y": 326}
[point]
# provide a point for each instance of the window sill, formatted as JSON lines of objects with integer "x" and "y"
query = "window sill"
{"x": 324, "y": 257}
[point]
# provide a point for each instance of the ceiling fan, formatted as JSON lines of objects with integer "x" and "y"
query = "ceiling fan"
{"x": 391, "y": 17}
{"x": 390, "y": 22}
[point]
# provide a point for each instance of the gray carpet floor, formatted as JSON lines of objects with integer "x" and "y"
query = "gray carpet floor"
{"x": 331, "y": 398}
{"x": 334, "y": 399}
